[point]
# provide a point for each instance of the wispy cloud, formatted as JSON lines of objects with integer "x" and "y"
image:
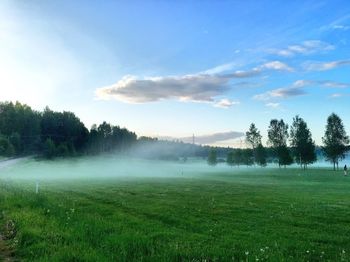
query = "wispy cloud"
{"x": 339, "y": 95}
{"x": 197, "y": 87}
{"x": 324, "y": 66}
{"x": 226, "y": 103}
{"x": 209, "y": 139}
{"x": 297, "y": 89}
{"x": 219, "y": 69}
{"x": 322, "y": 83}
{"x": 341, "y": 24}
{"x": 272, "y": 105}
{"x": 340, "y": 27}
{"x": 276, "y": 65}
{"x": 245, "y": 84}
{"x": 305, "y": 48}
{"x": 284, "y": 92}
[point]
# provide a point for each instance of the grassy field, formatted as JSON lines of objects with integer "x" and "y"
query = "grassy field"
{"x": 239, "y": 215}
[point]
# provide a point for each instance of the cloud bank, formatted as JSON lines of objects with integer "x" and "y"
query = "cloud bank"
{"x": 201, "y": 87}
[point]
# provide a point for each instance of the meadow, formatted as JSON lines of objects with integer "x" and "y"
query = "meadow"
{"x": 184, "y": 212}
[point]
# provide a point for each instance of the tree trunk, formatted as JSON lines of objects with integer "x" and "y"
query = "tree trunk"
{"x": 333, "y": 165}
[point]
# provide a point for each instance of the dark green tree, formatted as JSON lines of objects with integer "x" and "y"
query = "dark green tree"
{"x": 21, "y": 125}
{"x": 260, "y": 156}
{"x": 49, "y": 149}
{"x": 6, "y": 148}
{"x": 212, "y": 158}
{"x": 237, "y": 156}
{"x": 285, "y": 158}
{"x": 303, "y": 147}
{"x": 335, "y": 140}
{"x": 277, "y": 138}
{"x": 15, "y": 140}
{"x": 248, "y": 156}
{"x": 229, "y": 158}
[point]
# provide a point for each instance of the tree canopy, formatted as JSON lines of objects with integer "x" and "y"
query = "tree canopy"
{"x": 335, "y": 140}
{"x": 303, "y": 147}
{"x": 212, "y": 157}
{"x": 277, "y": 137}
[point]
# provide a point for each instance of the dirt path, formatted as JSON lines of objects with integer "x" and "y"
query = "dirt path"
{"x": 5, "y": 253}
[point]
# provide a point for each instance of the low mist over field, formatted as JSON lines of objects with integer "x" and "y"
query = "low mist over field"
{"x": 101, "y": 167}
{"x": 117, "y": 166}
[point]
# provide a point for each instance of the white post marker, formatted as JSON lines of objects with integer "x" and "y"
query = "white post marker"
{"x": 37, "y": 188}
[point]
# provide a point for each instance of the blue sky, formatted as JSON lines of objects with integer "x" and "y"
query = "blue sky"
{"x": 174, "y": 68}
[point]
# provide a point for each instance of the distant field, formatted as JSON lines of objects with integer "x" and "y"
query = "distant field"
{"x": 223, "y": 215}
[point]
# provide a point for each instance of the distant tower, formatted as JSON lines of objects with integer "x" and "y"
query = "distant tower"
{"x": 193, "y": 139}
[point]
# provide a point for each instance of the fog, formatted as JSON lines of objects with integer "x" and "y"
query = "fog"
{"x": 114, "y": 166}
{"x": 103, "y": 167}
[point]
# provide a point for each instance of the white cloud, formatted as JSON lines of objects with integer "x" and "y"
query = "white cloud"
{"x": 297, "y": 89}
{"x": 305, "y": 48}
{"x": 219, "y": 69}
{"x": 226, "y": 103}
{"x": 340, "y": 27}
{"x": 324, "y": 66}
{"x": 201, "y": 87}
{"x": 338, "y": 95}
{"x": 284, "y": 92}
{"x": 272, "y": 105}
{"x": 276, "y": 65}
{"x": 322, "y": 83}
{"x": 332, "y": 84}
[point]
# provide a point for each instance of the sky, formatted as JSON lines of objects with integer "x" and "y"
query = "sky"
{"x": 176, "y": 68}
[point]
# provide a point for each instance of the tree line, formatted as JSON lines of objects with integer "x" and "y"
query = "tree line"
{"x": 24, "y": 131}
{"x": 301, "y": 148}
{"x": 50, "y": 134}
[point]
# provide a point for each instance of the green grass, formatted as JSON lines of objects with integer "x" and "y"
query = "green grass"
{"x": 250, "y": 215}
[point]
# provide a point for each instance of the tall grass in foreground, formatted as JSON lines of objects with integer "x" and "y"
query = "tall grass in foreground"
{"x": 252, "y": 215}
